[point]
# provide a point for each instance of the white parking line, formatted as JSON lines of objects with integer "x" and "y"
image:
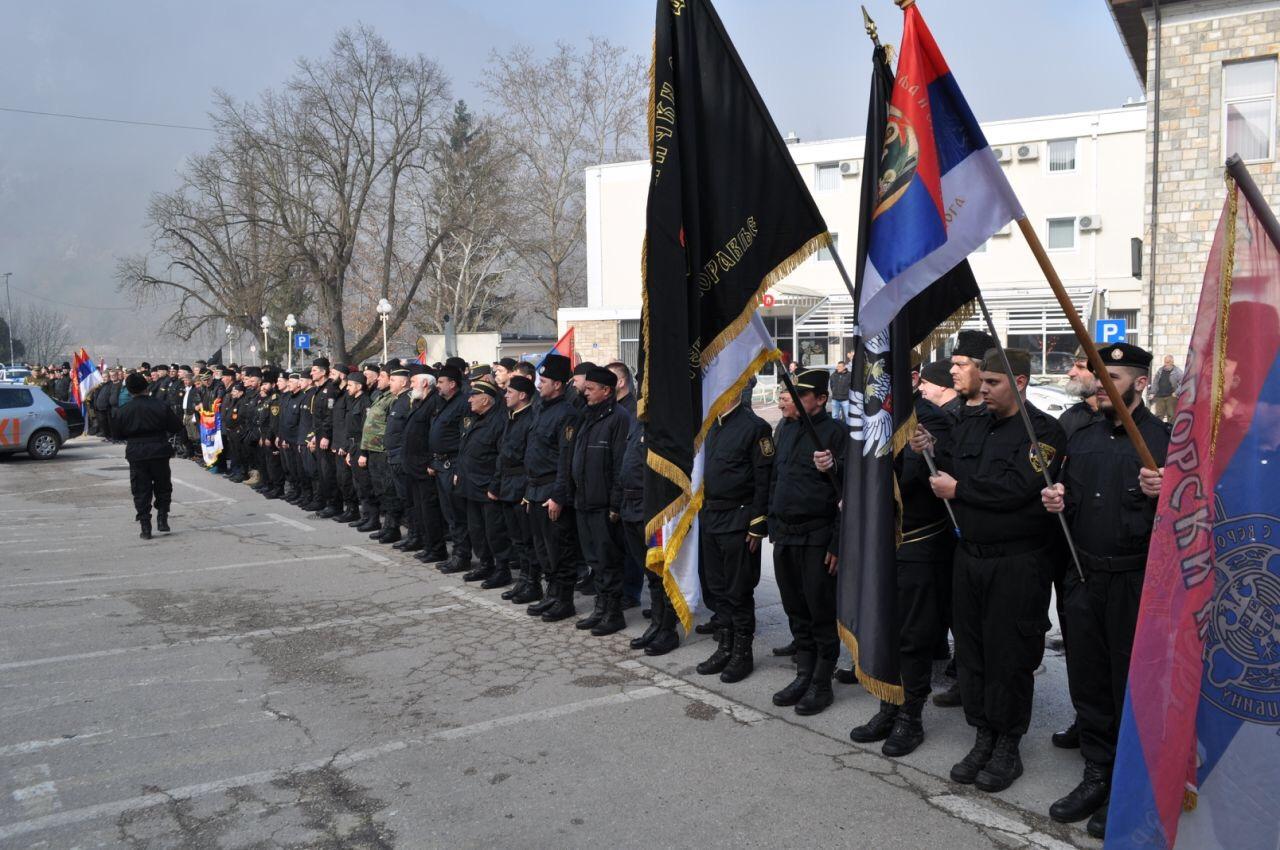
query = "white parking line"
{"x": 339, "y": 762}
{"x": 301, "y": 526}
{"x": 372, "y": 556}
{"x": 736, "y": 710}
{"x": 277, "y": 632}
{"x": 203, "y": 490}
{"x": 33, "y": 746}
{"x": 215, "y": 568}
{"x": 66, "y": 489}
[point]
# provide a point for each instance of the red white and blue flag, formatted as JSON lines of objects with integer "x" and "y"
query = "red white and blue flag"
{"x": 941, "y": 194}
{"x": 422, "y": 357}
{"x": 84, "y": 376}
{"x": 1198, "y": 762}
{"x": 563, "y": 346}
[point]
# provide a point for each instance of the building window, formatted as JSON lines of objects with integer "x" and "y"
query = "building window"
{"x": 828, "y": 179}
{"x": 629, "y": 343}
{"x": 1062, "y": 234}
{"x": 1130, "y": 318}
{"x": 1249, "y": 109}
{"x": 1062, "y": 155}
{"x": 824, "y": 253}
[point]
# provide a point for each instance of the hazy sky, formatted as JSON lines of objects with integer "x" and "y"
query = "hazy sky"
{"x": 73, "y": 193}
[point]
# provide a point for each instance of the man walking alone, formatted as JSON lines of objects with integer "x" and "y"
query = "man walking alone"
{"x": 145, "y": 423}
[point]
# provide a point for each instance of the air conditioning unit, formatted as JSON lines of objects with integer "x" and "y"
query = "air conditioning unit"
{"x": 1002, "y": 155}
{"x": 849, "y": 168}
{"x": 1004, "y": 231}
{"x": 1028, "y": 151}
{"x": 1090, "y": 223}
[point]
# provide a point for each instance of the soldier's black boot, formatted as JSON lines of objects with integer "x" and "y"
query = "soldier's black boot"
{"x": 667, "y": 637}
{"x": 878, "y": 727}
{"x": 563, "y": 608}
{"x": 741, "y": 661}
{"x": 597, "y": 614}
{"x": 521, "y": 579}
{"x": 819, "y": 696}
{"x": 1086, "y": 798}
{"x": 350, "y": 515}
{"x": 586, "y": 585}
{"x": 720, "y": 658}
{"x": 371, "y": 523}
{"x": 655, "y": 622}
{"x": 908, "y": 730}
{"x": 391, "y": 533}
{"x": 613, "y": 620}
{"x": 785, "y": 651}
{"x": 162, "y": 521}
{"x": 1069, "y": 738}
{"x": 967, "y": 769}
{"x": 537, "y": 609}
{"x": 480, "y": 573}
{"x": 329, "y": 512}
{"x": 790, "y": 695}
{"x": 1004, "y": 767}
{"x": 145, "y": 524}
{"x": 532, "y": 590}
{"x": 1097, "y": 825}
{"x": 500, "y": 577}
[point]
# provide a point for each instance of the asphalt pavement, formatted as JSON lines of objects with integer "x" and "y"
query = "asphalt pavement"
{"x": 259, "y": 678}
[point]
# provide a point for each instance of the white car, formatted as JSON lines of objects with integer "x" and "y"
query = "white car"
{"x": 31, "y": 422}
{"x": 14, "y": 374}
{"x": 1051, "y": 399}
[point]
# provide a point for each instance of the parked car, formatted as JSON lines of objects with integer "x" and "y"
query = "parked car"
{"x": 75, "y": 417}
{"x": 14, "y": 374}
{"x": 1050, "y": 399}
{"x": 31, "y": 422}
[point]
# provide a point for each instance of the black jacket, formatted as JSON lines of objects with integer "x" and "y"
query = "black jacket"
{"x": 802, "y": 501}
{"x": 598, "y": 449}
{"x": 478, "y": 453}
{"x": 146, "y": 424}
{"x": 397, "y": 416}
{"x": 927, "y": 533}
{"x": 840, "y": 382}
{"x": 415, "y": 449}
{"x": 357, "y": 406}
{"x": 509, "y": 479}
{"x": 632, "y": 475}
{"x": 550, "y": 442}
{"x": 446, "y": 425}
{"x": 338, "y": 418}
{"x": 738, "y": 464}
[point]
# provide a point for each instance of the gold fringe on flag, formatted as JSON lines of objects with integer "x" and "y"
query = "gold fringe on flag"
{"x": 943, "y": 332}
{"x": 884, "y": 691}
{"x": 1224, "y": 315}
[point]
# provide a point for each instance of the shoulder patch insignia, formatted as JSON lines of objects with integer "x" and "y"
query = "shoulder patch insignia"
{"x": 568, "y": 433}
{"x": 1049, "y": 454}
{"x": 275, "y": 410}
{"x": 766, "y": 446}
{"x": 466, "y": 422}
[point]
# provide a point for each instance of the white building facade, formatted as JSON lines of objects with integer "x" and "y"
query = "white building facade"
{"x": 1079, "y": 178}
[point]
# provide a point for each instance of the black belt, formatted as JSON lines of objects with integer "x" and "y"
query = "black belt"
{"x": 924, "y": 532}
{"x": 629, "y": 493}
{"x": 722, "y": 504}
{"x": 783, "y": 527}
{"x": 514, "y": 470}
{"x": 543, "y": 479}
{"x": 1002, "y": 550}
{"x": 1112, "y": 564}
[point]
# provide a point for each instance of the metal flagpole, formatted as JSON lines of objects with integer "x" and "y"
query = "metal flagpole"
{"x": 808, "y": 427}
{"x": 1031, "y": 430}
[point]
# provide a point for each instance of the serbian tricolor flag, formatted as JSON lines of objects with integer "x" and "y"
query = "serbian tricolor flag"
{"x": 942, "y": 193}
{"x": 84, "y": 376}
{"x": 563, "y": 346}
{"x": 1198, "y": 763}
{"x": 211, "y": 433}
{"x": 422, "y": 357}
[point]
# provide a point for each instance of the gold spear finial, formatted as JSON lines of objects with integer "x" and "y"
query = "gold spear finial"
{"x": 870, "y": 26}
{"x": 905, "y": 4}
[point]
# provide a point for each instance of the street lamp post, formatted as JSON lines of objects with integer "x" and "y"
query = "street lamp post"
{"x": 384, "y": 310}
{"x": 9, "y": 300}
{"x": 230, "y": 347}
{"x": 290, "y": 323}
{"x": 266, "y": 324}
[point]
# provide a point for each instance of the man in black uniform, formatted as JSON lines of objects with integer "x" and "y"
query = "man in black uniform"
{"x": 575, "y": 535}
{"x": 146, "y": 423}
{"x": 598, "y": 449}
{"x": 290, "y": 413}
{"x": 358, "y": 401}
{"x": 738, "y": 466}
{"x": 424, "y": 495}
{"x": 397, "y": 418}
{"x": 1110, "y": 515}
{"x": 509, "y": 484}
{"x": 482, "y": 429}
{"x": 923, "y": 569}
{"x": 804, "y": 528}
{"x": 267, "y": 416}
{"x": 340, "y": 416}
{"x": 445, "y": 437}
{"x": 661, "y": 636}
{"x": 328, "y": 391}
{"x": 546, "y": 464}
{"x": 992, "y": 473}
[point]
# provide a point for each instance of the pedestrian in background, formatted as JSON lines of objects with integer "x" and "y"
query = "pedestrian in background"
{"x": 1164, "y": 383}
{"x": 841, "y": 379}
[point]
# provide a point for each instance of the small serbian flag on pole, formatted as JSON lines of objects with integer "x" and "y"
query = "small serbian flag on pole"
{"x": 1198, "y": 761}
{"x": 84, "y": 376}
{"x": 564, "y": 346}
{"x": 942, "y": 193}
{"x": 422, "y": 357}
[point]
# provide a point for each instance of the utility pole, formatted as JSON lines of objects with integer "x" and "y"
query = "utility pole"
{"x": 9, "y": 300}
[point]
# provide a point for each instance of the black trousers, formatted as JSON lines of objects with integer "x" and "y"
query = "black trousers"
{"x": 604, "y": 540}
{"x": 380, "y": 473}
{"x": 454, "y": 509}
{"x": 808, "y": 597}
{"x": 921, "y": 624}
{"x": 487, "y": 528}
{"x": 272, "y": 468}
{"x": 546, "y": 545}
{"x": 327, "y": 477}
{"x": 1001, "y": 614}
{"x": 520, "y": 534}
{"x": 426, "y": 503}
{"x": 404, "y": 493}
{"x": 730, "y": 573}
{"x": 289, "y": 463}
{"x": 556, "y": 545}
{"x": 345, "y": 483}
{"x": 584, "y": 534}
{"x": 362, "y": 477}
{"x": 1102, "y": 614}
{"x": 149, "y": 481}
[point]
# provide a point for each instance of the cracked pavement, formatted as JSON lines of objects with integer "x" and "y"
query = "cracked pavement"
{"x": 242, "y": 683}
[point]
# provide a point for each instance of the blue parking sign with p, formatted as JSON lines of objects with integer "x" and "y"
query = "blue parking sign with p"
{"x": 1110, "y": 330}
{"x": 302, "y": 341}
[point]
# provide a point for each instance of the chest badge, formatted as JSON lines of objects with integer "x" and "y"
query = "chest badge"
{"x": 1049, "y": 454}
{"x": 568, "y": 433}
{"x": 766, "y": 446}
{"x": 466, "y": 422}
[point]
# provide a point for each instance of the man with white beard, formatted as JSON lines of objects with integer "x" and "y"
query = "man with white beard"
{"x": 1082, "y": 384}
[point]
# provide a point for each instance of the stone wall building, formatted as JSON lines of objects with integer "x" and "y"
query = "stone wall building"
{"x": 1209, "y": 68}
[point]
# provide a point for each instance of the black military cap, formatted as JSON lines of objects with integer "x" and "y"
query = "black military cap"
{"x": 812, "y": 380}
{"x": 322, "y": 362}
{"x": 583, "y": 368}
{"x": 184, "y": 368}
{"x": 295, "y": 375}
{"x": 136, "y": 383}
{"x": 146, "y": 367}
{"x": 253, "y": 372}
{"x": 357, "y": 378}
{"x": 521, "y": 384}
{"x": 453, "y": 373}
{"x": 371, "y": 367}
{"x": 1124, "y": 354}
{"x": 937, "y": 373}
{"x": 398, "y": 370}
{"x": 271, "y": 375}
{"x": 973, "y": 344}
{"x": 556, "y": 367}
{"x": 602, "y": 376}
{"x": 457, "y": 363}
{"x": 480, "y": 371}
{"x": 1019, "y": 361}
{"x": 507, "y": 363}
{"x": 163, "y": 367}
{"x": 417, "y": 369}
{"x": 237, "y": 386}
{"x": 484, "y": 387}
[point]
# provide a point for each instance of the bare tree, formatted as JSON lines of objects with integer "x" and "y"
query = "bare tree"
{"x": 559, "y": 116}
{"x": 44, "y": 331}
